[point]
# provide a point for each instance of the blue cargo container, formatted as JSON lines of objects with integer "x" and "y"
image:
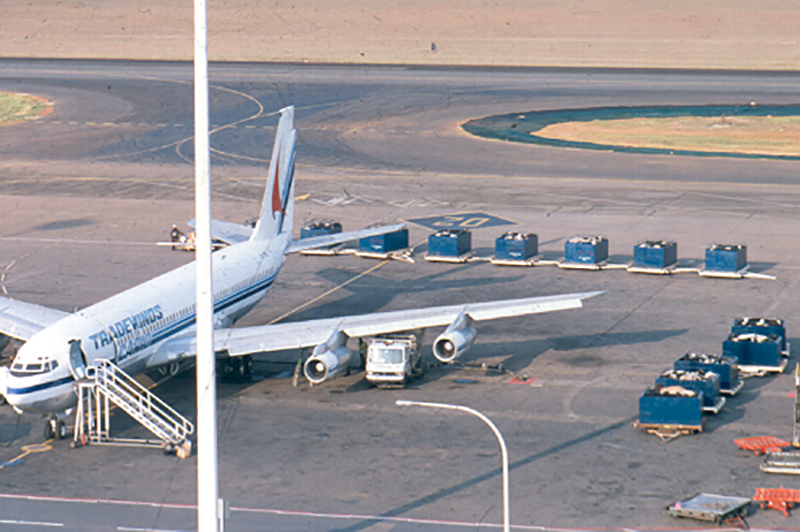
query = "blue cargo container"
{"x": 765, "y": 326}
{"x": 656, "y": 254}
{"x": 385, "y": 243}
{"x": 516, "y": 246}
{"x": 754, "y": 349}
{"x": 699, "y": 381}
{"x": 449, "y": 243}
{"x": 726, "y": 257}
{"x": 725, "y": 366}
{"x": 320, "y": 228}
{"x": 671, "y": 405}
{"x": 586, "y": 250}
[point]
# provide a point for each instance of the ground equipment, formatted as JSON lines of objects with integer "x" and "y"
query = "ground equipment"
{"x": 393, "y": 359}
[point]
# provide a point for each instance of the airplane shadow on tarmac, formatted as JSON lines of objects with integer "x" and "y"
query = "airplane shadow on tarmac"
{"x": 14, "y": 430}
{"x": 370, "y": 293}
{"x": 523, "y": 352}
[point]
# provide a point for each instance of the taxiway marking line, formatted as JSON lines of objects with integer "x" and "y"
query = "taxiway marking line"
{"x": 74, "y": 241}
{"x": 29, "y": 523}
{"x": 135, "y": 529}
{"x": 300, "y": 513}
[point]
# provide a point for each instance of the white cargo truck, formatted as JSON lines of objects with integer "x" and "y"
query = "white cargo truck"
{"x": 393, "y": 359}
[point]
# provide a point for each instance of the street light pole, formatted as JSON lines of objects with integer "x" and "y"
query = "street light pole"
{"x": 207, "y": 473}
{"x": 503, "y": 451}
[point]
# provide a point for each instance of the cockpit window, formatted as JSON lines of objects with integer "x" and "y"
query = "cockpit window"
{"x": 18, "y": 369}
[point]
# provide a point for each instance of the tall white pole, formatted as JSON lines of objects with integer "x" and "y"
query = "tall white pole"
{"x": 207, "y": 480}
{"x": 503, "y": 451}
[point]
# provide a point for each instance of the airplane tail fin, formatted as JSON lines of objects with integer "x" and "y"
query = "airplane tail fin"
{"x": 277, "y": 209}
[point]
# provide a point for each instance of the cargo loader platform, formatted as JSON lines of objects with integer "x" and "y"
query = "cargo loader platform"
{"x": 667, "y": 433}
{"x": 761, "y": 371}
{"x": 715, "y": 508}
{"x": 458, "y": 259}
{"x": 734, "y": 389}
{"x": 785, "y": 463}
{"x": 720, "y": 402}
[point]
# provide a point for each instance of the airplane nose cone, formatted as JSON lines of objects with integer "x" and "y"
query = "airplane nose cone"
{"x": 4, "y": 375}
{"x": 3, "y": 380}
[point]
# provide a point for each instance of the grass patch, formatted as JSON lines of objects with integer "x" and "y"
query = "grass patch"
{"x": 760, "y": 135}
{"x": 18, "y": 107}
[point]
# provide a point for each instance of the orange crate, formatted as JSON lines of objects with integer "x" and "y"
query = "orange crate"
{"x": 761, "y": 444}
{"x": 780, "y": 499}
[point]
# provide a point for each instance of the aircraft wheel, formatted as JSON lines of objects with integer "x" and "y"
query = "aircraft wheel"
{"x": 244, "y": 368}
{"x": 247, "y": 364}
{"x": 61, "y": 430}
{"x": 49, "y": 430}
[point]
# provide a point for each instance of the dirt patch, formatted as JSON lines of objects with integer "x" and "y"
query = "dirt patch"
{"x": 730, "y": 34}
{"x": 763, "y": 135}
{"x": 16, "y": 107}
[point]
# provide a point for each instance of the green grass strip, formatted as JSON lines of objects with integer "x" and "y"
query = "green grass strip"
{"x": 15, "y": 107}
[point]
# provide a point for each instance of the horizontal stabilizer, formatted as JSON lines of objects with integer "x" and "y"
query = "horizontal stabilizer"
{"x": 338, "y": 238}
{"x": 227, "y": 232}
{"x": 22, "y": 320}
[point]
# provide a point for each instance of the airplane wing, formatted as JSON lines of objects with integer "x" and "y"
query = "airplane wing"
{"x": 293, "y": 335}
{"x": 338, "y": 238}
{"x": 22, "y": 320}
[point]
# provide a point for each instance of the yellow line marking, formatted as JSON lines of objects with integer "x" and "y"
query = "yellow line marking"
{"x": 332, "y": 290}
{"x": 335, "y": 288}
{"x": 28, "y": 449}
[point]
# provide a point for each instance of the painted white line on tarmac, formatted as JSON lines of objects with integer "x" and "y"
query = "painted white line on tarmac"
{"x": 29, "y": 523}
{"x": 134, "y": 529}
{"x": 325, "y": 515}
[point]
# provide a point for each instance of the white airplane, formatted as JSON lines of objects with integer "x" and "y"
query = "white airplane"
{"x": 153, "y": 324}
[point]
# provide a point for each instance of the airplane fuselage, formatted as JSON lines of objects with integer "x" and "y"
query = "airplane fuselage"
{"x": 131, "y": 328}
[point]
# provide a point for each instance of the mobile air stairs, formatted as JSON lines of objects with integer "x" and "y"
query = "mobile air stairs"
{"x": 105, "y": 384}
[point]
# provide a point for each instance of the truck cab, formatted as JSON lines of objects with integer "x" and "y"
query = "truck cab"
{"x": 393, "y": 359}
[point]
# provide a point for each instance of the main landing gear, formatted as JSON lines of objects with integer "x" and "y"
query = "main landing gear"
{"x": 236, "y": 369}
{"x": 55, "y": 429}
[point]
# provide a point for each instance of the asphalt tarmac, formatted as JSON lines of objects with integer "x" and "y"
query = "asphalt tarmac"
{"x": 86, "y": 193}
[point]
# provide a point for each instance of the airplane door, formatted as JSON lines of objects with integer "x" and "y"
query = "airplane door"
{"x": 77, "y": 360}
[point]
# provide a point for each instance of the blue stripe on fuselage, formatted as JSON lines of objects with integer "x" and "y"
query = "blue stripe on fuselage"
{"x": 171, "y": 330}
{"x": 221, "y": 304}
{"x": 41, "y": 386}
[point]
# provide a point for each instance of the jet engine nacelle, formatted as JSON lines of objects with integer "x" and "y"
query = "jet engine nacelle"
{"x": 455, "y": 340}
{"x": 329, "y": 359}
